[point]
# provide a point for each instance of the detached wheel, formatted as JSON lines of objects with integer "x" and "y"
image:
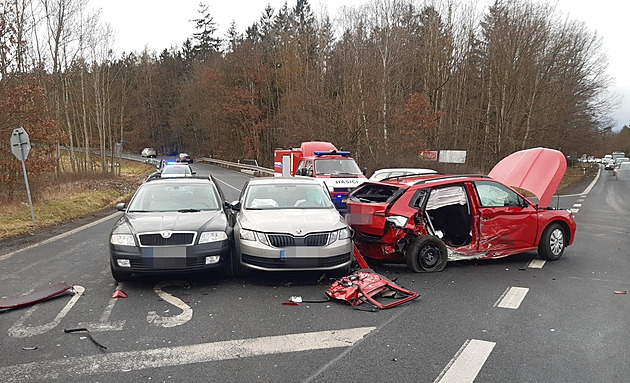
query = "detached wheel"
{"x": 120, "y": 276}
{"x": 552, "y": 243}
{"x": 426, "y": 254}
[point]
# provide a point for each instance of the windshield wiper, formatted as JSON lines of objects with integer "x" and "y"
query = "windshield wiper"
{"x": 188, "y": 210}
{"x": 139, "y": 211}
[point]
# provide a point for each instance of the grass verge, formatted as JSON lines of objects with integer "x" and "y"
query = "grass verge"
{"x": 72, "y": 197}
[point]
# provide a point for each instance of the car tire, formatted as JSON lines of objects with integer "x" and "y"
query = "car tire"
{"x": 120, "y": 276}
{"x": 552, "y": 242}
{"x": 426, "y": 254}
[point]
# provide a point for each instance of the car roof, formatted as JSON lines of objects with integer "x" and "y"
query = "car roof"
{"x": 283, "y": 181}
{"x": 405, "y": 170}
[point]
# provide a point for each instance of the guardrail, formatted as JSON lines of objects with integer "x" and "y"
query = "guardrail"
{"x": 254, "y": 170}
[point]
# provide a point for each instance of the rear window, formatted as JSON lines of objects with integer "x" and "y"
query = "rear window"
{"x": 373, "y": 193}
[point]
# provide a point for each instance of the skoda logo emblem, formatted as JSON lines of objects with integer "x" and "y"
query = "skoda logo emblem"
{"x": 166, "y": 234}
{"x": 298, "y": 231}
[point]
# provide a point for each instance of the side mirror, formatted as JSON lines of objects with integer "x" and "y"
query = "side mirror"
{"x": 121, "y": 206}
{"x": 235, "y": 205}
{"x": 365, "y": 170}
{"x": 193, "y": 173}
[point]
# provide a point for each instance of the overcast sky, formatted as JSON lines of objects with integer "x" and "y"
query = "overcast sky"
{"x": 159, "y": 24}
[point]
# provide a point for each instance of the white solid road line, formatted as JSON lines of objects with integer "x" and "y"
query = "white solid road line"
{"x": 181, "y": 355}
{"x": 60, "y": 236}
{"x": 225, "y": 183}
{"x": 467, "y": 362}
{"x": 536, "y": 264}
{"x": 512, "y": 298}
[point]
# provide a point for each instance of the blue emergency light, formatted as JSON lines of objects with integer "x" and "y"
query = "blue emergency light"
{"x": 332, "y": 153}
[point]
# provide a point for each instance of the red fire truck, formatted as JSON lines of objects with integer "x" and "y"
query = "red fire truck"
{"x": 321, "y": 160}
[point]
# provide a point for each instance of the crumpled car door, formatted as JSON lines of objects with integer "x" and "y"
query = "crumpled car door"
{"x": 507, "y": 224}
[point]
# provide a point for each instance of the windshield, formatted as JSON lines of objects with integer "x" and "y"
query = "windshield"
{"x": 284, "y": 196}
{"x": 152, "y": 197}
{"x": 173, "y": 169}
{"x": 342, "y": 166}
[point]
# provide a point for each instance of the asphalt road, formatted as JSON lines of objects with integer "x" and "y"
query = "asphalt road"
{"x": 505, "y": 320}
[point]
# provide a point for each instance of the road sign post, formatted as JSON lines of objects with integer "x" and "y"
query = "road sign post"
{"x": 21, "y": 147}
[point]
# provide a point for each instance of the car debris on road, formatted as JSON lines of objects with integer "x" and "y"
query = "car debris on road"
{"x": 34, "y": 297}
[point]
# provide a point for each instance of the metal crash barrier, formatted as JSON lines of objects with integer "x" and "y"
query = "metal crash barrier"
{"x": 254, "y": 170}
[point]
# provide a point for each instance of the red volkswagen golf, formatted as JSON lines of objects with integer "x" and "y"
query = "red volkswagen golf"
{"x": 430, "y": 219}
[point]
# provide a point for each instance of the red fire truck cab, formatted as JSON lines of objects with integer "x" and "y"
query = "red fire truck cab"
{"x": 335, "y": 169}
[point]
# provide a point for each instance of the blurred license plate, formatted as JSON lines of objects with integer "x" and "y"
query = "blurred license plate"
{"x": 164, "y": 252}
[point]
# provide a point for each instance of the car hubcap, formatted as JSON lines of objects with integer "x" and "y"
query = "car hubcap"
{"x": 556, "y": 241}
{"x": 429, "y": 257}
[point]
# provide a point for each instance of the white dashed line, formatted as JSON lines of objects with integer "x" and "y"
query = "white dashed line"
{"x": 466, "y": 363}
{"x": 574, "y": 210}
{"x": 512, "y": 298}
{"x": 577, "y": 205}
{"x": 66, "y": 368}
{"x": 536, "y": 264}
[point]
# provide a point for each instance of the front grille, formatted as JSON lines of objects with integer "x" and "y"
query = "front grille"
{"x": 147, "y": 264}
{"x": 176, "y": 239}
{"x": 295, "y": 263}
{"x": 277, "y": 240}
{"x": 287, "y": 240}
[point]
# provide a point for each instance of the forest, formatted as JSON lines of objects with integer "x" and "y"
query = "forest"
{"x": 383, "y": 80}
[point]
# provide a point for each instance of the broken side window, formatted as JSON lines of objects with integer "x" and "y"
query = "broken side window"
{"x": 373, "y": 193}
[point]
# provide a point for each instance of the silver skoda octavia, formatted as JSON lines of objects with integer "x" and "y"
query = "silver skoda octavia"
{"x": 289, "y": 224}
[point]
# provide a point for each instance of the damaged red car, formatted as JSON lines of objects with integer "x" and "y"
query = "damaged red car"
{"x": 427, "y": 220}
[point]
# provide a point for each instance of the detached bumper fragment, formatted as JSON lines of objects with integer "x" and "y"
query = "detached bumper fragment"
{"x": 34, "y": 297}
{"x": 365, "y": 286}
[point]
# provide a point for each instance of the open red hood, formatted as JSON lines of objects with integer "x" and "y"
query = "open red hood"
{"x": 537, "y": 170}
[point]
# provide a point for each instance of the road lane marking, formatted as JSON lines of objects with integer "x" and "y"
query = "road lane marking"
{"x": 512, "y": 298}
{"x": 104, "y": 324}
{"x": 590, "y": 186}
{"x": 574, "y": 210}
{"x": 60, "y": 236}
{"x": 577, "y": 205}
{"x": 536, "y": 264}
{"x": 172, "y": 321}
{"x": 467, "y": 362}
{"x": 225, "y": 183}
{"x": 182, "y": 355}
{"x": 19, "y": 330}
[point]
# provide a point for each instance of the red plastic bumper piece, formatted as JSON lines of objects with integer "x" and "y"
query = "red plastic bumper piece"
{"x": 34, "y": 297}
{"x": 365, "y": 286}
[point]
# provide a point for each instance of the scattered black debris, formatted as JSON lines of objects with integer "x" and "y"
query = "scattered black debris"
{"x": 88, "y": 334}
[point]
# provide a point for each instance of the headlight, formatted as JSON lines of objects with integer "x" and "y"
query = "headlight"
{"x": 339, "y": 235}
{"x": 212, "y": 236}
{"x": 262, "y": 238}
{"x": 122, "y": 239}
{"x": 248, "y": 235}
{"x": 398, "y": 221}
{"x": 344, "y": 233}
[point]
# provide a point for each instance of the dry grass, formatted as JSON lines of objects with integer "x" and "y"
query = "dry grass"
{"x": 71, "y": 196}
